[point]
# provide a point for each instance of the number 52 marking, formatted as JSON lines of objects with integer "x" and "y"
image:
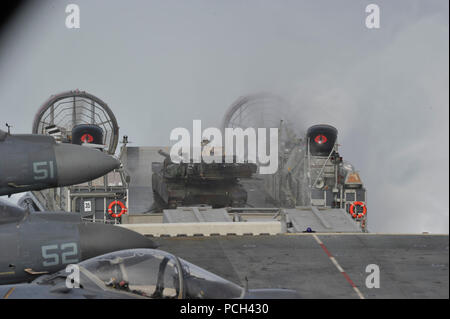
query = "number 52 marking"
{"x": 67, "y": 253}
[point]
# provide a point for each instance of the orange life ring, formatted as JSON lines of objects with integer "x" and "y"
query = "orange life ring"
{"x": 122, "y": 206}
{"x": 353, "y": 212}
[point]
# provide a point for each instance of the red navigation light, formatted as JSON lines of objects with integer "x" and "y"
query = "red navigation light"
{"x": 321, "y": 139}
{"x": 87, "y": 138}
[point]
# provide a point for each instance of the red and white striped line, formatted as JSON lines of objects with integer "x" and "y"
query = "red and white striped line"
{"x": 341, "y": 270}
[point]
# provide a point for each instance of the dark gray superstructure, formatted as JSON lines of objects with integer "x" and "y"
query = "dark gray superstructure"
{"x": 311, "y": 172}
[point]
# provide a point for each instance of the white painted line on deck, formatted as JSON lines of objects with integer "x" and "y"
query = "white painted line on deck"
{"x": 341, "y": 270}
{"x": 337, "y": 264}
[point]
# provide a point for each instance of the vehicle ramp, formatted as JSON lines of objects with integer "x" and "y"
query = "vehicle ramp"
{"x": 313, "y": 219}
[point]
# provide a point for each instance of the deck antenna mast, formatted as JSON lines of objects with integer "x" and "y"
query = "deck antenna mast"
{"x": 9, "y": 128}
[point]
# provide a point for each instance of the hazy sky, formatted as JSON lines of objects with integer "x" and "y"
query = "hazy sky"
{"x": 161, "y": 64}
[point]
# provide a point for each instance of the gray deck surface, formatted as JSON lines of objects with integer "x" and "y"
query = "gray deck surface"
{"x": 411, "y": 266}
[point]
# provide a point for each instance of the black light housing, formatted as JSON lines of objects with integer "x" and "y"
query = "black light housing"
{"x": 87, "y": 133}
{"x": 321, "y": 138}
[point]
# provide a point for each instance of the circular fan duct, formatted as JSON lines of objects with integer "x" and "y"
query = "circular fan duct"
{"x": 261, "y": 110}
{"x": 62, "y": 112}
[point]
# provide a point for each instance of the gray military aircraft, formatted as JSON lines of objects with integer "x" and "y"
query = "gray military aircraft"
{"x": 137, "y": 273}
{"x": 32, "y": 244}
{"x": 34, "y": 162}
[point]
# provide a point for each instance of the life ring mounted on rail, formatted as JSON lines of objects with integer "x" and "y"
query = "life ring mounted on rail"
{"x": 122, "y": 206}
{"x": 353, "y": 210}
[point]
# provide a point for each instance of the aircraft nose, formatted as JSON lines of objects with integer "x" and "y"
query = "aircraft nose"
{"x": 78, "y": 164}
{"x": 99, "y": 239}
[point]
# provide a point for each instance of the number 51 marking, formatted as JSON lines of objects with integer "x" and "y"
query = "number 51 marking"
{"x": 42, "y": 170}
